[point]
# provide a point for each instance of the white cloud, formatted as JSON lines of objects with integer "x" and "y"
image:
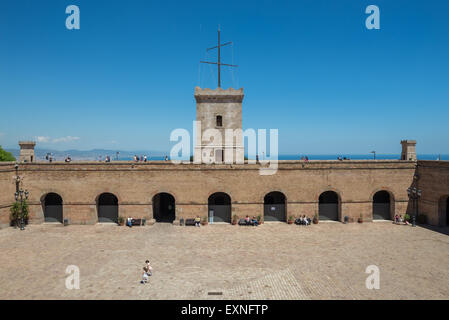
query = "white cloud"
{"x": 42, "y": 139}
{"x": 65, "y": 139}
{"x": 45, "y": 139}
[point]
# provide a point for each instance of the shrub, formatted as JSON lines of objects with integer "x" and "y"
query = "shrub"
{"x": 15, "y": 213}
{"x": 406, "y": 217}
{"x": 6, "y": 156}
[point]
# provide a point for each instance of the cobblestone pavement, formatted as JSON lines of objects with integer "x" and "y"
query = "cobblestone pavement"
{"x": 272, "y": 261}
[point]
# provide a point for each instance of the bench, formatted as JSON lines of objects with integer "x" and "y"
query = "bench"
{"x": 190, "y": 222}
{"x": 242, "y": 222}
{"x": 137, "y": 222}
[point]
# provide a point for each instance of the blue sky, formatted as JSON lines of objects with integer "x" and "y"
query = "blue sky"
{"x": 311, "y": 69}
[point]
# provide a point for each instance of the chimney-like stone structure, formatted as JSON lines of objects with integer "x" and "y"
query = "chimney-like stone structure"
{"x": 27, "y": 151}
{"x": 218, "y": 113}
{"x": 408, "y": 150}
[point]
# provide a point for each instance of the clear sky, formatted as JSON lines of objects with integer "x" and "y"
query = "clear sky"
{"x": 310, "y": 68}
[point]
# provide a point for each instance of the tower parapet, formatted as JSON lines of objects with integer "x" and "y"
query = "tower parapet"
{"x": 27, "y": 151}
{"x": 408, "y": 150}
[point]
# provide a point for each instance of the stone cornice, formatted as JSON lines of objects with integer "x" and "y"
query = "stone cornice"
{"x": 218, "y": 95}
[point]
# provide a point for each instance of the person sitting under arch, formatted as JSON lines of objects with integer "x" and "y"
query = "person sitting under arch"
{"x": 254, "y": 221}
{"x": 197, "y": 221}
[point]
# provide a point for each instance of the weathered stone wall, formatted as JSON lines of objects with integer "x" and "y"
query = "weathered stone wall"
{"x": 134, "y": 184}
{"x": 433, "y": 180}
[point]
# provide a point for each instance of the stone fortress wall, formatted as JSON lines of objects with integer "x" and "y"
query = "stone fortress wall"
{"x": 135, "y": 184}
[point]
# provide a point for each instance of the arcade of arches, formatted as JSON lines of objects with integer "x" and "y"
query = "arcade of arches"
{"x": 220, "y": 207}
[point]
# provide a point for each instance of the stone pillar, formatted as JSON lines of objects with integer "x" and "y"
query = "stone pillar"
{"x": 27, "y": 151}
{"x": 218, "y": 111}
{"x": 408, "y": 150}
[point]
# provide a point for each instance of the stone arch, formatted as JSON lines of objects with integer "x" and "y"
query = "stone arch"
{"x": 219, "y": 206}
{"x": 382, "y": 203}
{"x": 107, "y": 207}
{"x": 52, "y": 207}
{"x": 443, "y": 210}
{"x": 275, "y": 206}
{"x": 329, "y": 205}
{"x": 164, "y": 207}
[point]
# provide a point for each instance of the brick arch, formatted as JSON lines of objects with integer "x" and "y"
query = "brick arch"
{"x": 115, "y": 192}
{"x": 221, "y": 190}
{"x": 392, "y": 201}
{"x": 340, "y": 201}
{"x": 442, "y": 210}
{"x": 51, "y": 190}
{"x": 322, "y": 190}
{"x": 269, "y": 190}
{"x": 175, "y": 195}
{"x": 42, "y": 202}
{"x": 390, "y": 192}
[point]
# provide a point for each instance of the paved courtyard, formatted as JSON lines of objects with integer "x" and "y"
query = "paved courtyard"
{"x": 273, "y": 261}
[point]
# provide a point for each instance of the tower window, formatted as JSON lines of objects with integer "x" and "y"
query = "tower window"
{"x": 219, "y": 121}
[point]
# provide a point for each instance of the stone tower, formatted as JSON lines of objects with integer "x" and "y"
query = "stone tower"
{"x": 408, "y": 150}
{"x": 27, "y": 151}
{"x": 219, "y": 112}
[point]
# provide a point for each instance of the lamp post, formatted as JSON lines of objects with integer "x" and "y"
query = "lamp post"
{"x": 414, "y": 194}
{"x": 20, "y": 194}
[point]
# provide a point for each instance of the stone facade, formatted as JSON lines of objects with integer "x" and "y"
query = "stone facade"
{"x": 432, "y": 177}
{"x": 135, "y": 184}
{"x": 218, "y": 112}
{"x": 27, "y": 151}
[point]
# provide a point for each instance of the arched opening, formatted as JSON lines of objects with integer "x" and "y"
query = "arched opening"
{"x": 164, "y": 207}
{"x": 274, "y": 206}
{"x": 219, "y": 207}
{"x": 107, "y": 207}
{"x": 447, "y": 211}
{"x": 381, "y": 206}
{"x": 52, "y": 205}
{"x": 328, "y": 208}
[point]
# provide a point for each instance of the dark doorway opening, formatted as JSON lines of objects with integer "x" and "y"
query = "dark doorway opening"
{"x": 381, "y": 206}
{"x": 274, "y": 207}
{"x": 219, "y": 207}
{"x": 164, "y": 207}
{"x": 107, "y": 207}
{"x": 447, "y": 211}
{"x": 328, "y": 206}
{"x": 53, "y": 208}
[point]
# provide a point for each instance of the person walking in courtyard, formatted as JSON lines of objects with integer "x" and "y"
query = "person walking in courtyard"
{"x": 147, "y": 272}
